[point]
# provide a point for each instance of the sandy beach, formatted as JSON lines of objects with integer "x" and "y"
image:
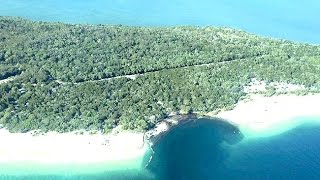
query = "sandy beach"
{"x": 260, "y": 114}
{"x": 69, "y": 147}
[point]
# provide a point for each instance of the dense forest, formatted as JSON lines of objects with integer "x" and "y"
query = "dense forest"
{"x": 67, "y": 77}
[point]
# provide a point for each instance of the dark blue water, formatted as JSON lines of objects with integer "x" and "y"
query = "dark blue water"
{"x": 292, "y": 155}
{"x": 290, "y": 19}
{"x": 217, "y": 150}
{"x": 203, "y": 149}
{"x": 212, "y": 149}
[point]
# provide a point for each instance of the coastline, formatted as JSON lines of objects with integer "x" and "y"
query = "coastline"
{"x": 261, "y": 116}
{"x": 70, "y": 148}
{"x": 257, "y": 116}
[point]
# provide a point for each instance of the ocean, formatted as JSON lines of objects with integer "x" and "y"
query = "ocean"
{"x": 289, "y": 19}
{"x": 203, "y": 149}
{"x": 213, "y": 149}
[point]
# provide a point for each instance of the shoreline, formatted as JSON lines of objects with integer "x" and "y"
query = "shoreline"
{"x": 256, "y": 117}
{"x": 70, "y": 148}
{"x": 261, "y": 116}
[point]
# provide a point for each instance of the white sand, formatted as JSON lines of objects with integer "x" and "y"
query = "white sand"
{"x": 262, "y": 114}
{"x": 69, "y": 147}
{"x": 258, "y": 115}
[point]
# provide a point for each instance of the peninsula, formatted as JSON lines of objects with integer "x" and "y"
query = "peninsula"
{"x": 88, "y": 93}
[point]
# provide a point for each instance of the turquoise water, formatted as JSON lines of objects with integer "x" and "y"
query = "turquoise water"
{"x": 290, "y": 19}
{"x": 214, "y": 149}
{"x": 202, "y": 149}
{"x": 210, "y": 149}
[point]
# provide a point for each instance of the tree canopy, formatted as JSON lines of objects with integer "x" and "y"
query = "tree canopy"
{"x": 69, "y": 77}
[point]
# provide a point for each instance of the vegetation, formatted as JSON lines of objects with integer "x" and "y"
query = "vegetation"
{"x": 70, "y": 77}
